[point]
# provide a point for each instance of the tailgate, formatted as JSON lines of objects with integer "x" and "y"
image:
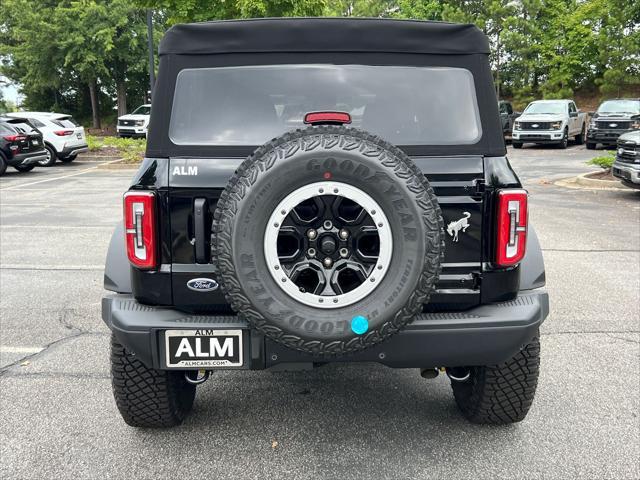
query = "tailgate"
{"x": 458, "y": 183}
{"x": 196, "y": 184}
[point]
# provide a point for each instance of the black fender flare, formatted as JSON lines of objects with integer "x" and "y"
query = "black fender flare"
{"x": 117, "y": 270}
{"x": 532, "y": 274}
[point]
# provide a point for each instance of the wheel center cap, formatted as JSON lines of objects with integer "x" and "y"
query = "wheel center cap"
{"x": 328, "y": 244}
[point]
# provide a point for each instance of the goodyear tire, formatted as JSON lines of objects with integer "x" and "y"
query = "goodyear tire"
{"x": 366, "y": 240}
{"x": 147, "y": 397}
{"x": 500, "y": 394}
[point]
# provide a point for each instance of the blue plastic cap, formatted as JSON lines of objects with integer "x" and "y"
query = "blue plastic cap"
{"x": 359, "y": 325}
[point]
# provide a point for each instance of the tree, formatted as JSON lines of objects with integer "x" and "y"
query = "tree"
{"x": 180, "y": 11}
{"x": 361, "y": 8}
{"x": 58, "y": 50}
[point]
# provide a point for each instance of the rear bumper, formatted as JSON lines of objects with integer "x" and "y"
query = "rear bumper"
{"x": 24, "y": 159}
{"x": 73, "y": 150}
{"x": 485, "y": 335}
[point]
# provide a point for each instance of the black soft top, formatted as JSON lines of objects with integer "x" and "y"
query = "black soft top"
{"x": 324, "y": 35}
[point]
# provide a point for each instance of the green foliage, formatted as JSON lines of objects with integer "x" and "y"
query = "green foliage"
{"x": 550, "y": 48}
{"x": 57, "y": 49}
{"x": 604, "y": 161}
{"x": 360, "y": 8}
{"x": 181, "y": 11}
{"x": 130, "y": 149}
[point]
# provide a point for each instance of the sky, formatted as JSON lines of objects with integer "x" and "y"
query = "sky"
{"x": 9, "y": 90}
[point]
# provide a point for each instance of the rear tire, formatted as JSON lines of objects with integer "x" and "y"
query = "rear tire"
{"x": 591, "y": 146}
{"x": 51, "y": 157}
{"x": 3, "y": 165}
{"x": 580, "y": 138}
{"x": 147, "y": 397}
{"x": 500, "y": 394}
{"x": 516, "y": 144}
{"x": 68, "y": 159}
{"x": 24, "y": 168}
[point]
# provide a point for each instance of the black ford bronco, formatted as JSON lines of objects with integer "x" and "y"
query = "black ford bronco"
{"x": 317, "y": 191}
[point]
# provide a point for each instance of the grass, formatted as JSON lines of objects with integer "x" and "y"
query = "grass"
{"x": 603, "y": 161}
{"x": 130, "y": 149}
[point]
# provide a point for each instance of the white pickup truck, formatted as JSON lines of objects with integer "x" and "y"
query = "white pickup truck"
{"x": 550, "y": 121}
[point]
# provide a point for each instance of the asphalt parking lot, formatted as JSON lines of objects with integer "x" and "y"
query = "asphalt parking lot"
{"x": 58, "y": 418}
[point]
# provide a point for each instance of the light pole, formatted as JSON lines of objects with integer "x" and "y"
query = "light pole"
{"x": 152, "y": 76}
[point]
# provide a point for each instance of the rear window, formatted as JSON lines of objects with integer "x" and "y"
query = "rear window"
{"x": 22, "y": 125}
{"x": 253, "y": 104}
{"x": 6, "y": 128}
{"x": 65, "y": 122}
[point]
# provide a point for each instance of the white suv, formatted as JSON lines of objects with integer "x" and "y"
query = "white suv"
{"x": 135, "y": 124}
{"x": 63, "y": 137}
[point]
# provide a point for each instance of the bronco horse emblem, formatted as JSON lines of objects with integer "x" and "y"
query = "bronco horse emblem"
{"x": 454, "y": 228}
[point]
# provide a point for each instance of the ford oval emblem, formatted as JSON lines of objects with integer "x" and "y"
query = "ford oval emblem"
{"x": 202, "y": 284}
{"x": 613, "y": 125}
{"x": 535, "y": 125}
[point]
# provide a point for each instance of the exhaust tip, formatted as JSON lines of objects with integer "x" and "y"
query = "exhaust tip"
{"x": 201, "y": 376}
{"x": 459, "y": 374}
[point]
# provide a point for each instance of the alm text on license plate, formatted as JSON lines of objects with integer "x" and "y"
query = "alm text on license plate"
{"x": 203, "y": 348}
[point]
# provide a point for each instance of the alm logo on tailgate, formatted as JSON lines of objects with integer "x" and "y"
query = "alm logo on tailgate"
{"x": 204, "y": 348}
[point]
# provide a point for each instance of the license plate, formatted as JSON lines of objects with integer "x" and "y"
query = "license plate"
{"x": 79, "y": 135}
{"x": 203, "y": 348}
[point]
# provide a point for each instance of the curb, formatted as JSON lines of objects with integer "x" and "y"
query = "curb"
{"x": 582, "y": 182}
{"x": 118, "y": 165}
{"x": 97, "y": 158}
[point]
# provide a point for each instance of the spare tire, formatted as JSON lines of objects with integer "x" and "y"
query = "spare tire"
{"x": 328, "y": 240}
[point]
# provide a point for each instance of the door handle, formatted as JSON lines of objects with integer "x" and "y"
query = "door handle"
{"x": 202, "y": 229}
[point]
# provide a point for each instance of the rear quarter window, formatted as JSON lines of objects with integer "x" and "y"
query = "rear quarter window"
{"x": 250, "y": 105}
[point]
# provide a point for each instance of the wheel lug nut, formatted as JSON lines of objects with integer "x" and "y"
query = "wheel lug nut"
{"x": 328, "y": 225}
{"x": 312, "y": 234}
{"x": 311, "y": 252}
{"x": 327, "y": 262}
{"x": 344, "y": 252}
{"x": 344, "y": 234}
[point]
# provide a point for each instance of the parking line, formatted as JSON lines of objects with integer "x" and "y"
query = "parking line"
{"x": 7, "y": 349}
{"x": 15, "y": 187}
{"x": 61, "y": 227}
{"x": 12, "y": 266}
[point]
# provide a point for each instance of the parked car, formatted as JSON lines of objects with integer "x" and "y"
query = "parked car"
{"x": 627, "y": 164}
{"x": 507, "y": 117}
{"x": 612, "y": 119}
{"x": 329, "y": 243}
{"x": 21, "y": 146}
{"x": 64, "y": 139}
{"x": 550, "y": 122}
{"x": 135, "y": 124}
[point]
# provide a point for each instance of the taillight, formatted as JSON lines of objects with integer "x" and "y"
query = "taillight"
{"x": 140, "y": 228}
{"x": 512, "y": 221}
{"x": 15, "y": 138}
{"x": 63, "y": 133}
